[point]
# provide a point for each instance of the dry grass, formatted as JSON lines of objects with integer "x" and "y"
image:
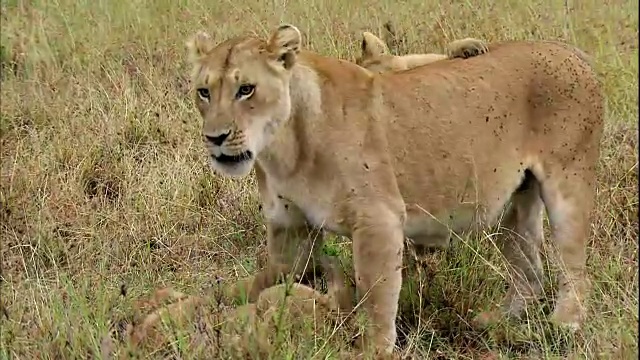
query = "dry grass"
{"x": 106, "y": 195}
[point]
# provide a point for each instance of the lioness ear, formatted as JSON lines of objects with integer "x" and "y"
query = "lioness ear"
{"x": 372, "y": 45}
{"x": 199, "y": 45}
{"x": 285, "y": 44}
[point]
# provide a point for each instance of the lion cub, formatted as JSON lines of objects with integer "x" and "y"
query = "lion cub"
{"x": 376, "y": 56}
{"x": 249, "y": 331}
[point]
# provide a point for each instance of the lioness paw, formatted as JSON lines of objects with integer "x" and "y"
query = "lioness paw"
{"x": 570, "y": 321}
{"x": 466, "y": 48}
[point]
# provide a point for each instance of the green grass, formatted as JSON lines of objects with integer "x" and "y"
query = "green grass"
{"x": 105, "y": 185}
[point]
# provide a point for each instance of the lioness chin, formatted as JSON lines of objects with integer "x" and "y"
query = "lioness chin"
{"x": 421, "y": 153}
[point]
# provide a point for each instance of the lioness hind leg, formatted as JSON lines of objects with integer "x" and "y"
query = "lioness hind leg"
{"x": 466, "y": 48}
{"x": 568, "y": 197}
{"x": 520, "y": 244}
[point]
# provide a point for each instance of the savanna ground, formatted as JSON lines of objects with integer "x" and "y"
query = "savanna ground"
{"x": 106, "y": 193}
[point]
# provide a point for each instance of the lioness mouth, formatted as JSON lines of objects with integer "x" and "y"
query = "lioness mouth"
{"x": 232, "y": 159}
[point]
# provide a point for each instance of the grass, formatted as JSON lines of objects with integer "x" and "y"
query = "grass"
{"x": 106, "y": 194}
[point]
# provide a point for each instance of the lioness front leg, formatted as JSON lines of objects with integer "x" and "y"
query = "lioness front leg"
{"x": 291, "y": 253}
{"x": 377, "y": 255}
{"x": 293, "y": 250}
{"x": 291, "y": 242}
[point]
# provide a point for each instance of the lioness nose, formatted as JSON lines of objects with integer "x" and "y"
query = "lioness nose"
{"x": 218, "y": 140}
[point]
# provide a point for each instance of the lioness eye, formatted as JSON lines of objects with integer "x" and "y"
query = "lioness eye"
{"x": 204, "y": 94}
{"x": 245, "y": 91}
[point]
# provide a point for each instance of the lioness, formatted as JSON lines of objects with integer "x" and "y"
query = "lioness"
{"x": 421, "y": 153}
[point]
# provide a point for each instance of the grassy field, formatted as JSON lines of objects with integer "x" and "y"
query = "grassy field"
{"x": 106, "y": 194}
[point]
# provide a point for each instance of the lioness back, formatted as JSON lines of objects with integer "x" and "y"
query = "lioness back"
{"x": 487, "y": 119}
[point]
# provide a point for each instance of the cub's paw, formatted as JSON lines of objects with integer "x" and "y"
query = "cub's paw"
{"x": 466, "y": 48}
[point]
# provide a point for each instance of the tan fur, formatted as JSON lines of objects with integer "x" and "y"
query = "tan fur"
{"x": 377, "y": 57}
{"x": 302, "y": 311}
{"x": 248, "y": 331}
{"x": 421, "y": 153}
{"x": 180, "y": 307}
{"x": 252, "y": 287}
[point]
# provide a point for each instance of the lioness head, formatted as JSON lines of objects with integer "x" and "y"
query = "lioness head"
{"x": 241, "y": 88}
{"x": 376, "y": 56}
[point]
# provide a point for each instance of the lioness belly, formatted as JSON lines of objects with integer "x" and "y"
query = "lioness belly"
{"x": 445, "y": 199}
{"x": 435, "y": 230}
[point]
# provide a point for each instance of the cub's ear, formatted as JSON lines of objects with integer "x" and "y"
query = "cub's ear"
{"x": 372, "y": 45}
{"x": 285, "y": 44}
{"x": 199, "y": 46}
